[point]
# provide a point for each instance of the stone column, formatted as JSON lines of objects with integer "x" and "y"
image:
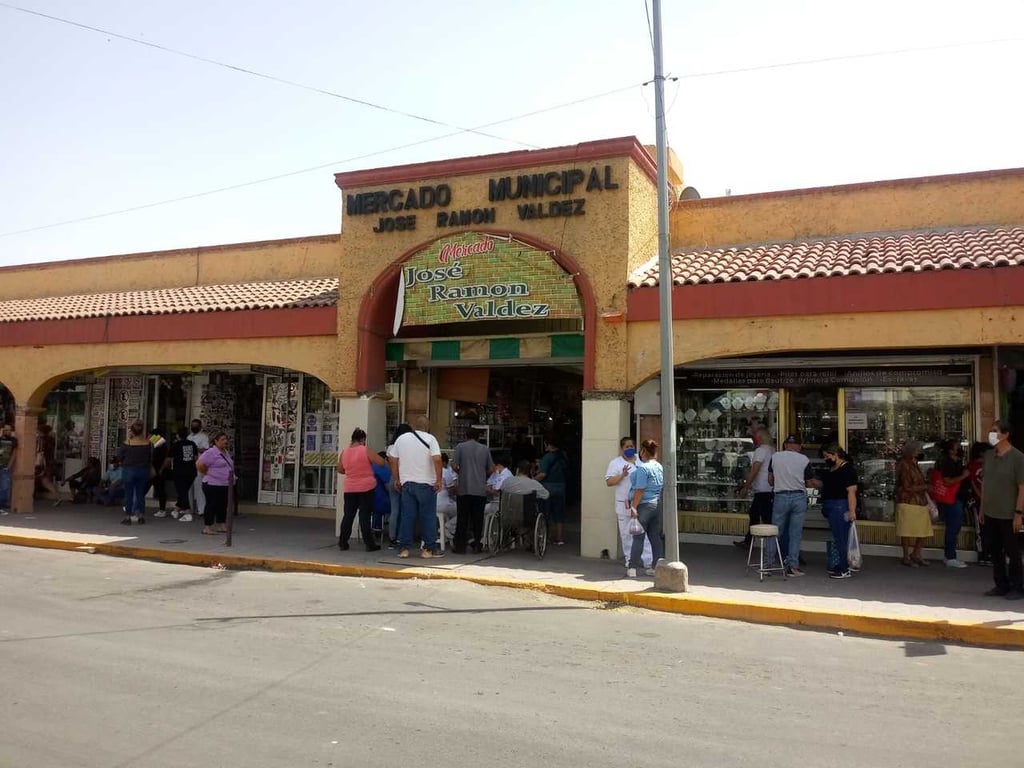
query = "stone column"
{"x": 24, "y": 477}
{"x": 369, "y": 414}
{"x": 605, "y": 422}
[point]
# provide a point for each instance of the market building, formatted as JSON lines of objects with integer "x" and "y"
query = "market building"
{"x": 517, "y": 293}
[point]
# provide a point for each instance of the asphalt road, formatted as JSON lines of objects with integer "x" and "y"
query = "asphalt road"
{"x": 109, "y": 662}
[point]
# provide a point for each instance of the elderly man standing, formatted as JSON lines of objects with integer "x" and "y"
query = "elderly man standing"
{"x": 1002, "y": 511}
{"x": 418, "y": 475}
{"x": 790, "y": 475}
{"x": 472, "y": 462}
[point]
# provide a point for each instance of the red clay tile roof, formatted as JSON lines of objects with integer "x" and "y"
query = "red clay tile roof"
{"x": 866, "y": 254}
{"x": 165, "y": 301}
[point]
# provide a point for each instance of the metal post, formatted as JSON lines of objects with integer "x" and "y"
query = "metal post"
{"x": 670, "y": 519}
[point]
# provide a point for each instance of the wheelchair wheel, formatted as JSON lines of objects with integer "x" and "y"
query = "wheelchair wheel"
{"x": 540, "y": 536}
{"x": 492, "y": 536}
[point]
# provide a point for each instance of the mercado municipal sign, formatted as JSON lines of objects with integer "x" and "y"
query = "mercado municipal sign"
{"x": 477, "y": 276}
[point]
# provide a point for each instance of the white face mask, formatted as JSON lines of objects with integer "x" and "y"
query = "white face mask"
{"x": 993, "y": 438}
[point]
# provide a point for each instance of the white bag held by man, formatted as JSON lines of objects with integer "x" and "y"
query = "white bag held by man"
{"x": 853, "y": 556}
{"x": 634, "y": 527}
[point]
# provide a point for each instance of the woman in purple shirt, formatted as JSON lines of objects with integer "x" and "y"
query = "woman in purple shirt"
{"x": 218, "y": 471}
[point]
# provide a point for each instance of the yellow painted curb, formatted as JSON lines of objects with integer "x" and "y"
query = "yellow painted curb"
{"x": 693, "y": 605}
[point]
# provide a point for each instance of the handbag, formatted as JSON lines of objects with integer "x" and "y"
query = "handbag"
{"x": 933, "y": 511}
{"x": 939, "y": 491}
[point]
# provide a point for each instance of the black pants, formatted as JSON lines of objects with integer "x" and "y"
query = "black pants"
{"x": 182, "y": 486}
{"x": 1001, "y": 543}
{"x": 362, "y": 502}
{"x": 760, "y": 511}
{"x": 470, "y": 513}
{"x": 216, "y": 504}
{"x": 159, "y": 485}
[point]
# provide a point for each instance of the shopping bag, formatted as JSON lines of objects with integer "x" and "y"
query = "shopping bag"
{"x": 939, "y": 491}
{"x": 853, "y": 549}
{"x": 634, "y": 528}
{"x": 933, "y": 510}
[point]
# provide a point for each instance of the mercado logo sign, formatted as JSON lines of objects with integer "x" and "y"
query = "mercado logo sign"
{"x": 477, "y": 276}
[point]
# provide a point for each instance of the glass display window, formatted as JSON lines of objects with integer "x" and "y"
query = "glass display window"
{"x": 715, "y": 429}
{"x": 879, "y": 422}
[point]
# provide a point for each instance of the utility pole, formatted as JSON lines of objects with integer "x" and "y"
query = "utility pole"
{"x": 670, "y": 509}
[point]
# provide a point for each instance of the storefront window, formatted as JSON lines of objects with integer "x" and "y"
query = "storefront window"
{"x": 715, "y": 442}
{"x": 880, "y": 421}
{"x": 280, "y": 434}
{"x": 319, "y": 454}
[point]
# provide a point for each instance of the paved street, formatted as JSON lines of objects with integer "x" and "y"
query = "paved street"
{"x": 116, "y": 662}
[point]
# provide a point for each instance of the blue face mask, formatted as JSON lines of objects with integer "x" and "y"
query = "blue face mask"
{"x": 629, "y": 453}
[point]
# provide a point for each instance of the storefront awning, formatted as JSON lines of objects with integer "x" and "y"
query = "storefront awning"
{"x": 558, "y": 348}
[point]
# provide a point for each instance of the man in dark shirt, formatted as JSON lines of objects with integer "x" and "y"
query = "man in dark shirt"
{"x": 183, "y": 470}
{"x": 1002, "y": 510}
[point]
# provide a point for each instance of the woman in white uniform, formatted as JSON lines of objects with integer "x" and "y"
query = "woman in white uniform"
{"x": 617, "y": 477}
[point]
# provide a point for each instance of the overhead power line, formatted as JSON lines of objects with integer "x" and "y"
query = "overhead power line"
{"x": 334, "y": 164}
{"x": 263, "y": 75}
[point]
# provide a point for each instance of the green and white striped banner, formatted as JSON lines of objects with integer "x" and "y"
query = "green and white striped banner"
{"x": 562, "y": 348}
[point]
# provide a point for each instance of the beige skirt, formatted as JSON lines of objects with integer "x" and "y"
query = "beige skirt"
{"x": 913, "y": 522}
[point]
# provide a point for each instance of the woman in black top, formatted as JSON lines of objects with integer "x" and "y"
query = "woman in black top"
{"x": 839, "y": 502}
{"x": 136, "y": 457}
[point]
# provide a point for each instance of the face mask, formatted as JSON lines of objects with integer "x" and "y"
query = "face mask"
{"x": 629, "y": 453}
{"x": 920, "y": 457}
{"x": 830, "y": 462}
{"x": 993, "y": 438}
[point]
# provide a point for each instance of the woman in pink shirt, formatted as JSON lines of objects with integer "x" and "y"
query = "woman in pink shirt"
{"x": 355, "y": 464}
{"x": 218, "y": 470}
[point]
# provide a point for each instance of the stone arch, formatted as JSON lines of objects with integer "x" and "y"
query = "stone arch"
{"x": 377, "y": 307}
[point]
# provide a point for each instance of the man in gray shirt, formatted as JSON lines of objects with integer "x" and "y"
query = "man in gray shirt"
{"x": 473, "y": 462}
{"x": 790, "y": 475}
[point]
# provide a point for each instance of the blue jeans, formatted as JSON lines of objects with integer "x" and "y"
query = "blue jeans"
{"x": 650, "y": 518}
{"x": 837, "y": 511}
{"x": 135, "y": 481}
{"x": 789, "y": 510}
{"x": 396, "y": 511}
{"x": 419, "y": 502}
{"x": 5, "y": 488}
{"x": 953, "y": 514}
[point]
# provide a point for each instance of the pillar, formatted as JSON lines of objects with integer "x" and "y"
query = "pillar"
{"x": 369, "y": 414}
{"x": 23, "y": 484}
{"x": 605, "y": 422}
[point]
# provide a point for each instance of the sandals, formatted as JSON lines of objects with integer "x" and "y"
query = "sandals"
{"x": 921, "y": 563}
{"x": 909, "y": 562}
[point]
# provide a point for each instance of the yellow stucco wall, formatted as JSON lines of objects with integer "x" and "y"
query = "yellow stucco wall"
{"x": 602, "y": 242}
{"x": 696, "y": 340}
{"x": 303, "y": 257}
{"x": 942, "y": 201}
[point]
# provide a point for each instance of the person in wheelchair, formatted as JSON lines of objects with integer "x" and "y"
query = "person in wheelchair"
{"x": 521, "y": 484}
{"x": 85, "y": 482}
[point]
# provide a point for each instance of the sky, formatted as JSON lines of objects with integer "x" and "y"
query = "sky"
{"x": 770, "y": 95}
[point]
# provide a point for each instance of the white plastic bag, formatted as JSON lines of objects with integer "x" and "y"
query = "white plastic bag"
{"x": 853, "y": 557}
{"x": 634, "y": 528}
{"x": 933, "y": 510}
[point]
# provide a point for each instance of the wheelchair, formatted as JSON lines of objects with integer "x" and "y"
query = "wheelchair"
{"x": 518, "y": 522}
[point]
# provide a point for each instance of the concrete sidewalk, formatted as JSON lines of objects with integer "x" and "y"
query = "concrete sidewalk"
{"x": 885, "y": 599}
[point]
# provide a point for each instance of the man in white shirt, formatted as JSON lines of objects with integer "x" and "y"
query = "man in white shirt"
{"x": 617, "y": 477}
{"x": 418, "y": 475}
{"x": 494, "y": 485}
{"x": 446, "y": 496}
{"x": 198, "y": 498}
{"x": 757, "y": 481}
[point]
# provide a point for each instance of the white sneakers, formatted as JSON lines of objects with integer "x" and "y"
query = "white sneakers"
{"x": 631, "y": 573}
{"x": 186, "y": 518}
{"x": 954, "y": 563}
{"x": 159, "y": 513}
{"x": 648, "y": 571}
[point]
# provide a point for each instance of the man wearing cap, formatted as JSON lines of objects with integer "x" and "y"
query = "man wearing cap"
{"x": 790, "y": 475}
